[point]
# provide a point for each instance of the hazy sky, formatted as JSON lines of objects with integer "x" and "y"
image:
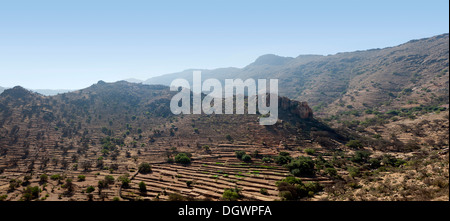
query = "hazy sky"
{"x": 73, "y": 44}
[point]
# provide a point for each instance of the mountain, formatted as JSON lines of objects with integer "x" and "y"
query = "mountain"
{"x": 117, "y": 126}
{"x": 384, "y": 79}
{"x": 114, "y": 105}
{"x": 379, "y": 116}
{"x": 46, "y": 92}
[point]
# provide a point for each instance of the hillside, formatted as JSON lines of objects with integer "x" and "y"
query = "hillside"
{"x": 377, "y": 130}
{"x": 394, "y": 77}
{"x": 111, "y": 128}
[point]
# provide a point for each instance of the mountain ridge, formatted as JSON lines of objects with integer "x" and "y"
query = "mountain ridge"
{"x": 335, "y": 81}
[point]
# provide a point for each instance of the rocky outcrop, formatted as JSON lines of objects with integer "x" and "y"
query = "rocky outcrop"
{"x": 300, "y": 109}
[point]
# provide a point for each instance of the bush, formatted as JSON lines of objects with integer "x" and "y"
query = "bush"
{"x": 90, "y": 189}
{"x": 144, "y": 168}
{"x": 246, "y": 158}
{"x": 392, "y": 161}
{"x": 354, "y": 171}
{"x": 56, "y": 177}
{"x": 356, "y": 144}
{"x": 182, "y": 158}
{"x": 142, "y": 187}
{"x": 292, "y": 188}
{"x": 361, "y": 156}
{"x": 81, "y": 177}
{"x": 374, "y": 163}
{"x": 30, "y": 193}
{"x": 331, "y": 172}
{"x": 283, "y": 158}
{"x": 43, "y": 178}
{"x": 263, "y": 191}
{"x": 302, "y": 166}
{"x": 231, "y": 194}
{"x": 109, "y": 179}
{"x": 125, "y": 180}
{"x": 310, "y": 151}
{"x": 266, "y": 159}
{"x": 239, "y": 154}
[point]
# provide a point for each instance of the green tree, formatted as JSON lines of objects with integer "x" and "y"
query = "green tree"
{"x": 30, "y": 193}
{"x": 246, "y": 158}
{"x": 239, "y": 154}
{"x": 142, "y": 187}
{"x": 144, "y": 168}
{"x": 90, "y": 189}
{"x": 109, "y": 179}
{"x": 182, "y": 158}
{"x": 43, "y": 178}
{"x": 81, "y": 178}
{"x": 361, "y": 156}
{"x": 302, "y": 166}
{"x": 124, "y": 180}
{"x": 231, "y": 194}
{"x": 283, "y": 158}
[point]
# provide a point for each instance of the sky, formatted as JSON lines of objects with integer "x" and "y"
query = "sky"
{"x": 73, "y": 44}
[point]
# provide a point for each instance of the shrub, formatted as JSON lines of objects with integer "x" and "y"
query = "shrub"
{"x": 292, "y": 188}
{"x": 266, "y": 159}
{"x": 30, "y": 193}
{"x": 356, "y": 144}
{"x": 361, "y": 156}
{"x": 392, "y": 161}
{"x": 239, "y": 154}
{"x": 43, "y": 178}
{"x": 81, "y": 177}
{"x": 302, "y": 166}
{"x": 231, "y": 194}
{"x": 182, "y": 158}
{"x": 283, "y": 158}
{"x": 90, "y": 189}
{"x": 3, "y": 197}
{"x": 354, "y": 171}
{"x": 374, "y": 163}
{"x": 310, "y": 151}
{"x": 144, "y": 168}
{"x": 142, "y": 187}
{"x": 331, "y": 171}
{"x": 263, "y": 191}
{"x": 246, "y": 158}
{"x": 125, "y": 180}
{"x": 109, "y": 179}
{"x": 56, "y": 177}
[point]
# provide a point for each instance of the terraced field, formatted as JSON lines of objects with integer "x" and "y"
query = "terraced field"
{"x": 209, "y": 176}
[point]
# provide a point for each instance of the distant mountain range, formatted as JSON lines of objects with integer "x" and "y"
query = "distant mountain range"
{"x": 416, "y": 71}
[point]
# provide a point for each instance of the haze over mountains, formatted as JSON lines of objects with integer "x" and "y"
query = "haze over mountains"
{"x": 46, "y": 92}
{"x": 361, "y": 79}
